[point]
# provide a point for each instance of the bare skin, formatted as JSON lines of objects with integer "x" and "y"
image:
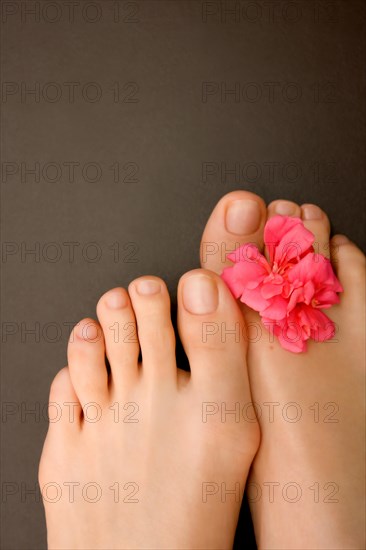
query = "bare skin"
{"x": 156, "y": 470}
{"x": 306, "y": 484}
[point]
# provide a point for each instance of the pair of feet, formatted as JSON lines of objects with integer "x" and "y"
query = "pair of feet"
{"x": 149, "y": 456}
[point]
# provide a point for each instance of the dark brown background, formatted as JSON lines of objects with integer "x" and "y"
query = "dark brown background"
{"x": 308, "y": 148}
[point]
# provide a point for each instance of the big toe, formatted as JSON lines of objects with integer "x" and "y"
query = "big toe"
{"x": 237, "y": 219}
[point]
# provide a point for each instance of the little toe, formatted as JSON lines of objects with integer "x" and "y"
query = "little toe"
{"x": 237, "y": 219}
{"x": 65, "y": 417}
{"x": 64, "y": 409}
{"x": 151, "y": 304}
{"x": 316, "y": 221}
{"x": 118, "y": 321}
{"x": 86, "y": 356}
{"x": 349, "y": 263}
{"x": 213, "y": 334}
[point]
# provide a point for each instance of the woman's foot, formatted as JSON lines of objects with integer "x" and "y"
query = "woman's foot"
{"x": 306, "y": 485}
{"x": 146, "y": 455}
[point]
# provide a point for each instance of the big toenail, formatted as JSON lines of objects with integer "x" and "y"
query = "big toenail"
{"x": 116, "y": 299}
{"x": 243, "y": 217}
{"x": 285, "y": 208}
{"x": 200, "y": 294}
{"x": 311, "y": 212}
{"x": 148, "y": 286}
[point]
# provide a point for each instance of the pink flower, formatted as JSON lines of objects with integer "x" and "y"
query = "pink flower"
{"x": 289, "y": 289}
{"x": 302, "y": 323}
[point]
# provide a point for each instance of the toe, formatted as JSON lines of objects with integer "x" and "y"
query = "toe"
{"x": 64, "y": 409}
{"x": 118, "y": 322}
{"x": 349, "y": 314}
{"x": 238, "y": 218}
{"x": 284, "y": 208}
{"x": 318, "y": 223}
{"x": 151, "y": 304}
{"x": 349, "y": 263}
{"x": 86, "y": 356}
{"x": 213, "y": 333}
{"x": 65, "y": 416}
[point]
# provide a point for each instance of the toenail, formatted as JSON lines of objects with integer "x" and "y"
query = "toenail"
{"x": 88, "y": 332}
{"x": 340, "y": 239}
{"x": 243, "y": 217}
{"x": 200, "y": 294}
{"x": 148, "y": 286}
{"x": 311, "y": 212}
{"x": 285, "y": 208}
{"x": 116, "y": 299}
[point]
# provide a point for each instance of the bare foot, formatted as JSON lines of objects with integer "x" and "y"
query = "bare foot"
{"x": 149, "y": 456}
{"x": 307, "y": 480}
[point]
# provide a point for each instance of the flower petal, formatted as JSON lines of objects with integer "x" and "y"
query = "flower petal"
{"x": 243, "y": 275}
{"x": 297, "y": 346}
{"x": 277, "y": 309}
{"x": 269, "y": 290}
{"x": 254, "y": 299}
{"x": 248, "y": 252}
{"x": 287, "y": 239}
{"x": 287, "y": 340}
{"x": 322, "y": 328}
